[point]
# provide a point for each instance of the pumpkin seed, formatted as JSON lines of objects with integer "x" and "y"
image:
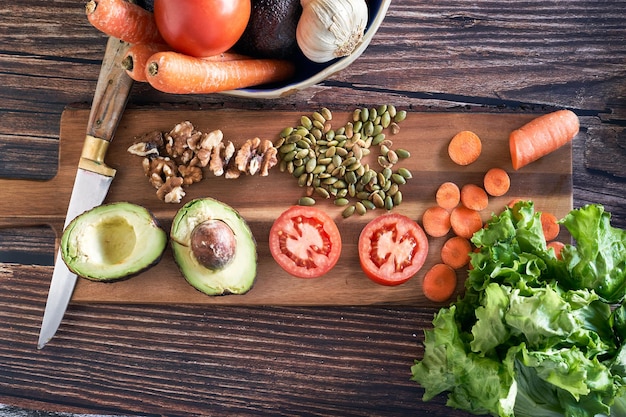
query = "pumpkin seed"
{"x": 365, "y": 114}
{"x": 326, "y": 113}
{"x": 306, "y": 201}
{"x": 341, "y": 201}
{"x": 368, "y": 204}
{"x": 403, "y": 153}
{"x": 397, "y": 198}
{"x": 318, "y": 116}
{"x": 391, "y": 109}
{"x": 405, "y": 173}
{"x": 398, "y": 179}
{"x": 392, "y": 156}
{"x": 348, "y": 211}
{"x": 323, "y": 192}
{"x": 400, "y": 116}
{"x": 378, "y": 200}
{"x": 388, "y": 203}
{"x": 360, "y": 208}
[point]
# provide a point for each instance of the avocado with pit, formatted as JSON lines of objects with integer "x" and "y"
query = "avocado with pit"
{"x": 112, "y": 242}
{"x": 213, "y": 247}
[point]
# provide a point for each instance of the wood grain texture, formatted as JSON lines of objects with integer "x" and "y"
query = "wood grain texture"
{"x": 185, "y": 360}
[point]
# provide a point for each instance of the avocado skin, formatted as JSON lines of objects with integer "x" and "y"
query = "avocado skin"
{"x": 271, "y": 30}
{"x": 152, "y": 242}
{"x": 238, "y": 276}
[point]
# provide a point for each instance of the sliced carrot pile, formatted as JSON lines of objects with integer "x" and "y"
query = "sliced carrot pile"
{"x": 550, "y": 226}
{"x": 436, "y": 221}
{"x": 448, "y": 195}
{"x": 474, "y": 197}
{"x": 465, "y": 222}
{"x": 496, "y": 182}
{"x": 557, "y": 247}
{"x": 455, "y": 252}
{"x": 542, "y": 136}
{"x": 465, "y": 147}
{"x": 439, "y": 283}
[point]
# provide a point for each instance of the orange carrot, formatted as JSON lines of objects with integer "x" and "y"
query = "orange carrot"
{"x": 436, "y": 221}
{"x": 465, "y": 147}
{"x": 557, "y": 247}
{"x": 514, "y": 201}
{"x": 474, "y": 197}
{"x": 123, "y": 20}
{"x": 137, "y": 56}
{"x": 176, "y": 73}
{"x": 439, "y": 283}
{"x": 542, "y": 136}
{"x": 448, "y": 195}
{"x": 465, "y": 222}
{"x": 550, "y": 226}
{"x": 496, "y": 182}
{"x": 455, "y": 252}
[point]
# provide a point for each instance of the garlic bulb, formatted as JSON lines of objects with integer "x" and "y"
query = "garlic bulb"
{"x": 330, "y": 29}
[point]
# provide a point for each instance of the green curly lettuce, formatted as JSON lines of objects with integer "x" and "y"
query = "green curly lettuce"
{"x": 534, "y": 335}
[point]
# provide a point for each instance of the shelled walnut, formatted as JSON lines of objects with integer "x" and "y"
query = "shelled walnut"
{"x": 184, "y": 155}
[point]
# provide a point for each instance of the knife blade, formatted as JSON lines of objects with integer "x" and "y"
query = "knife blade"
{"x": 93, "y": 176}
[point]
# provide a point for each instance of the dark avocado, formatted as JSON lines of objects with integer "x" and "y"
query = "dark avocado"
{"x": 271, "y": 30}
{"x": 112, "y": 242}
{"x": 214, "y": 248}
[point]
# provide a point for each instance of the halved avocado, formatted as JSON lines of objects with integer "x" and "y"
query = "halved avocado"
{"x": 214, "y": 248}
{"x": 112, "y": 241}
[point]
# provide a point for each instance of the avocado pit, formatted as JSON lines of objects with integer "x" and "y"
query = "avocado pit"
{"x": 213, "y": 244}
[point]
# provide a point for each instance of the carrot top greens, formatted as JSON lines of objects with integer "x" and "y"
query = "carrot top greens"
{"x": 534, "y": 335}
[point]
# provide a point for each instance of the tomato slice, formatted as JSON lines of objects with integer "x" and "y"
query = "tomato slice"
{"x": 305, "y": 242}
{"x": 392, "y": 248}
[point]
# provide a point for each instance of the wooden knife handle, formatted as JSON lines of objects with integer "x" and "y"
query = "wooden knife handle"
{"x": 112, "y": 91}
{"x": 109, "y": 101}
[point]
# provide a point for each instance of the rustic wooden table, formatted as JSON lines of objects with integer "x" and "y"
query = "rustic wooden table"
{"x": 441, "y": 55}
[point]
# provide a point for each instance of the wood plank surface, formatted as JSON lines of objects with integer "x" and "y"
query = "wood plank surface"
{"x": 260, "y": 200}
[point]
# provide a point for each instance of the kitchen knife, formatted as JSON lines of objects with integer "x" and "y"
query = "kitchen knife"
{"x": 93, "y": 176}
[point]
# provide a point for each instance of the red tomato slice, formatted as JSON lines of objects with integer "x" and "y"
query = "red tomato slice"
{"x": 305, "y": 242}
{"x": 392, "y": 248}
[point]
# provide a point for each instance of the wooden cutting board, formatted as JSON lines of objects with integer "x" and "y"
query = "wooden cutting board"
{"x": 261, "y": 199}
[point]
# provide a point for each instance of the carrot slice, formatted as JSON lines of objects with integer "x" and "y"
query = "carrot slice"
{"x": 123, "y": 20}
{"x": 448, "y": 195}
{"x": 550, "y": 226}
{"x": 436, "y": 221}
{"x": 177, "y": 73}
{"x": 439, "y": 283}
{"x": 542, "y": 136}
{"x": 465, "y": 222}
{"x": 465, "y": 147}
{"x": 474, "y": 197}
{"x": 557, "y": 247}
{"x": 455, "y": 252}
{"x": 496, "y": 182}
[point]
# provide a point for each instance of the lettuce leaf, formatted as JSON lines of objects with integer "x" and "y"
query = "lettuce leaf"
{"x": 534, "y": 335}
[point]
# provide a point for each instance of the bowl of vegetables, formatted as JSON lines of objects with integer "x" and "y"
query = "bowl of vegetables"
{"x": 246, "y": 48}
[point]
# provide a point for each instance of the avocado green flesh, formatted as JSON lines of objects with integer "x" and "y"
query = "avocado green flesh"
{"x": 112, "y": 242}
{"x": 237, "y": 277}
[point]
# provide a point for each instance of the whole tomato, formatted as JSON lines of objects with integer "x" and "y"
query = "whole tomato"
{"x": 201, "y": 27}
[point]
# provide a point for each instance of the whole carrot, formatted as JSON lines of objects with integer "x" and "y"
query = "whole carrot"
{"x": 542, "y": 136}
{"x": 137, "y": 58}
{"x": 176, "y": 73}
{"x": 123, "y": 20}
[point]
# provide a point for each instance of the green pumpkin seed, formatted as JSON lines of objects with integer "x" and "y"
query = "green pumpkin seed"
{"x": 388, "y": 203}
{"x": 378, "y": 200}
{"x": 306, "y": 201}
{"x": 348, "y": 211}
{"x": 397, "y": 198}
{"x": 403, "y": 153}
{"x": 360, "y": 208}
{"x": 405, "y": 173}
{"x": 326, "y": 113}
{"x": 398, "y": 179}
{"x": 368, "y": 204}
{"x": 391, "y": 109}
{"x": 341, "y": 202}
{"x": 400, "y": 116}
{"x": 365, "y": 114}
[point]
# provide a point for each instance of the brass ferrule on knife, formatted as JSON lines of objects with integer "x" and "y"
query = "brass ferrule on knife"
{"x": 92, "y": 156}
